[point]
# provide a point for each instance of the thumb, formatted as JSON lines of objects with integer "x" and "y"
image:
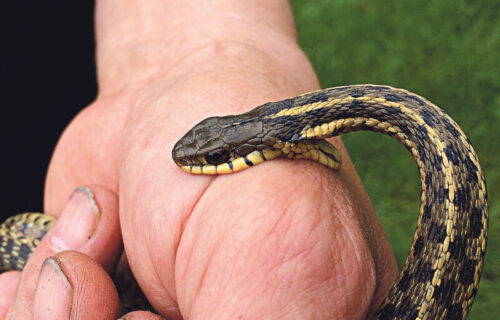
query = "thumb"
{"x": 73, "y": 286}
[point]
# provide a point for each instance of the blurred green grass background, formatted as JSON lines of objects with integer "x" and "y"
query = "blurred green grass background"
{"x": 445, "y": 50}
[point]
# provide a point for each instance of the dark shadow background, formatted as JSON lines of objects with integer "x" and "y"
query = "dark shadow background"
{"x": 47, "y": 75}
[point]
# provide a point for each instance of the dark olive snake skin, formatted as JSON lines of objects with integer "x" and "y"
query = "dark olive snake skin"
{"x": 19, "y": 236}
{"x": 440, "y": 277}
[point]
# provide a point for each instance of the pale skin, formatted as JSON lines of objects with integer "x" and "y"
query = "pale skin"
{"x": 284, "y": 239}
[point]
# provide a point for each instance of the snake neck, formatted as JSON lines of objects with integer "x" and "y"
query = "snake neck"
{"x": 451, "y": 233}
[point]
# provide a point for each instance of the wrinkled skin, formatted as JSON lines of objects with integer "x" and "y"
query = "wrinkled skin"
{"x": 286, "y": 239}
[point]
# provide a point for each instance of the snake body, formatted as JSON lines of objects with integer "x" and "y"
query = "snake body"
{"x": 19, "y": 236}
{"x": 440, "y": 277}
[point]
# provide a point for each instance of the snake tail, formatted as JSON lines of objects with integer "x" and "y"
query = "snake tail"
{"x": 19, "y": 236}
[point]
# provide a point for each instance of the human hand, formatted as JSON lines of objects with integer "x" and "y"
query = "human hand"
{"x": 58, "y": 283}
{"x": 70, "y": 284}
{"x": 284, "y": 239}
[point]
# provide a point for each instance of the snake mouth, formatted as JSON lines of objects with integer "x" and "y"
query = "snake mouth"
{"x": 232, "y": 165}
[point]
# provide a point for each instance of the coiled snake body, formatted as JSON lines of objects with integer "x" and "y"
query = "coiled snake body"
{"x": 440, "y": 277}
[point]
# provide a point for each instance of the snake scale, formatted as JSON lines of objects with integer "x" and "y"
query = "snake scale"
{"x": 440, "y": 276}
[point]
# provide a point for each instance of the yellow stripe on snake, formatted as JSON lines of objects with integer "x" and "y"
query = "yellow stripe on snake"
{"x": 440, "y": 277}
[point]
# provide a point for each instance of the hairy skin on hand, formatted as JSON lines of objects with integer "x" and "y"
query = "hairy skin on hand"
{"x": 285, "y": 239}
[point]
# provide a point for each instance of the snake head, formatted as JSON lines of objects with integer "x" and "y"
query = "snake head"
{"x": 204, "y": 138}
{"x": 221, "y": 145}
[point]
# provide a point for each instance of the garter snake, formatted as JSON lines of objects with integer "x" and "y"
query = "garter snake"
{"x": 440, "y": 276}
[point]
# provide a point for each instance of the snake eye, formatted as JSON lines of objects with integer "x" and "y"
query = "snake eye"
{"x": 217, "y": 156}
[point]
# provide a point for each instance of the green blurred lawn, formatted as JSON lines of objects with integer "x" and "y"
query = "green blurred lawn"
{"x": 445, "y": 50}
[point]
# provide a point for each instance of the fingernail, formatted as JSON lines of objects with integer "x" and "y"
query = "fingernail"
{"x": 77, "y": 222}
{"x": 53, "y": 294}
{"x": 173, "y": 313}
{"x": 143, "y": 313}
